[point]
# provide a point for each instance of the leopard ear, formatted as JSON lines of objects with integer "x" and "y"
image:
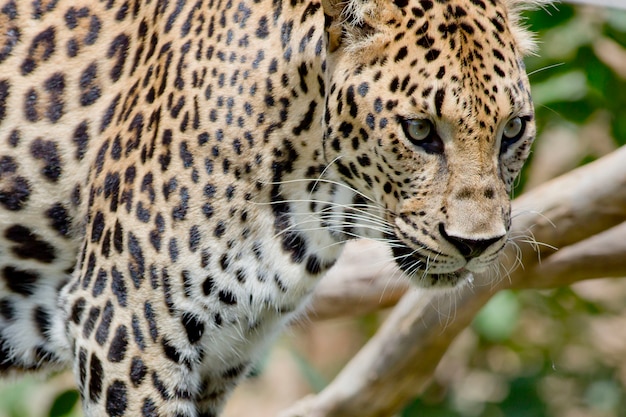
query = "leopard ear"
{"x": 346, "y": 21}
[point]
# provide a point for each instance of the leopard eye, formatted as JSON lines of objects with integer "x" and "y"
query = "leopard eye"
{"x": 422, "y": 133}
{"x": 513, "y": 128}
{"x": 512, "y": 132}
{"x": 418, "y": 129}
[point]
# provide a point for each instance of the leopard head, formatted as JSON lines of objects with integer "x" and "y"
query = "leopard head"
{"x": 429, "y": 114}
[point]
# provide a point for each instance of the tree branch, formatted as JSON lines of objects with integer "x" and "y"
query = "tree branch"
{"x": 582, "y": 212}
{"x": 600, "y": 256}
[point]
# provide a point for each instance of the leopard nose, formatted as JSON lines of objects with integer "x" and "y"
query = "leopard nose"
{"x": 469, "y": 248}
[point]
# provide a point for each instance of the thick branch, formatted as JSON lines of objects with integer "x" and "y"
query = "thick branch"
{"x": 575, "y": 206}
{"x": 600, "y": 256}
{"x": 398, "y": 362}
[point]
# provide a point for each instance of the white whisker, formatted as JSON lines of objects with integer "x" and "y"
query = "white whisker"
{"x": 325, "y": 181}
{"x": 548, "y": 67}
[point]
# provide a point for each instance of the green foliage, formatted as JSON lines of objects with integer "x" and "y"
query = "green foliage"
{"x": 523, "y": 400}
{"x": 16, "y": 399}
{"x": 496, "y": 322}
{"x": 64, "y": 404}
{"x": 570, "y": 81}
{"x": 13, "y": 399}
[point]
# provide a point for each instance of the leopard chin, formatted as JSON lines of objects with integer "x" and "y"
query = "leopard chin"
{"x": 447, "y": 280}
{"x": 420, "y": 274}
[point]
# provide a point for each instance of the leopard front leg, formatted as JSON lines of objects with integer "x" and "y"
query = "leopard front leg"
{"x": 126, "y": 360}
{"x": 146, "y": 386}
{"x": 146, "y": 344}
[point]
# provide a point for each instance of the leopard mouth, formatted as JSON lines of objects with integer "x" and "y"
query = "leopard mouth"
{"x": 417, "y": 268}
{"x": 446, "y": 280}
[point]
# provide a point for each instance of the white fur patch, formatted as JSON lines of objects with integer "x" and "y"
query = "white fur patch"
{"x": 526, "y": 40}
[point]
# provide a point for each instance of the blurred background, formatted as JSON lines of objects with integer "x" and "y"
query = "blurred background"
{"x": 556, "y": 353}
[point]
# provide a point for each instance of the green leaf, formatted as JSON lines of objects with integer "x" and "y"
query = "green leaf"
{"x": 619, "y": 129}
{"x": 497, "y": 320}
{"x": 419, "y": 408}
{"x": 548, "y": 17}
{"x": 64, "y": 403}
{"x": 604, "y": 395}
{"x": 13, "y": 397}
{"x": 571, "y": 86}
{"x": 524, "y": 400}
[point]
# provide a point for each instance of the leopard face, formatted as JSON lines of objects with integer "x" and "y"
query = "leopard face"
{"x": 433, "y": 122}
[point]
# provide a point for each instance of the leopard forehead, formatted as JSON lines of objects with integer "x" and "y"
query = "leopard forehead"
{"x": 418, "y": 51}
{"x": 447, "y": 16}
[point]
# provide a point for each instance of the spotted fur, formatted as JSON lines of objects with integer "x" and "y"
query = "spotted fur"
{"x": 175, "y": 176}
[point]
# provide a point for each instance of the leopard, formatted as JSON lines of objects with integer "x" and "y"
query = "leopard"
{"x": 177, "y": 176}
